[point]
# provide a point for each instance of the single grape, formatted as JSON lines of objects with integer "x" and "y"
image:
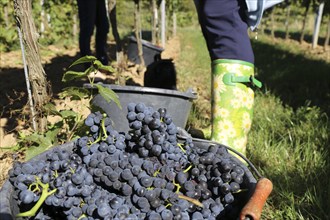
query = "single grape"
{"x": 103, "y": 210}
{"x": 150, "y": 195}
{"x": 234, "y": 186}
{"x": 126, "y": 190}
{"x": 197, "y": 216}
{"x": 154, "y": 216}
{"x": 143, "y": 203}
{"x": 89, "y": 121}
{"x": 238, "y": 179}
{"x": 131, "y": 107}
{"x": 155, "y": 203}
{"x": 225, "y": 188}
{"x": 136, "y": 170}
{"x": 140, "y": 107}
{"x": 29, "y": 169}
{"x": 146, "y": 181}
{"x": 166, "y": 214}
{"x": 116, "y": 202}
{"x": 176, "y": 210}
{"x": 181, "y": 177}
{"x": 140, "y": 116}
{"x": 131, "y": 116}
{"x": 229, "y": 198}
{"x": 226, "y": 177}
{"x": 156, "y": 150}
{"x": 26, "y": 196}
{"x": 76, "y": 212}
{"x": 94, "y": 128}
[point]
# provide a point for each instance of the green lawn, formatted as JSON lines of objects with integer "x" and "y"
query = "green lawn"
{"x": 289, "y": 140}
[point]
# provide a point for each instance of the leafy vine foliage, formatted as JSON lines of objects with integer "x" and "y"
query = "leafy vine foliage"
{"x": 69, "y": 125}
{"x": 56, "y": 21}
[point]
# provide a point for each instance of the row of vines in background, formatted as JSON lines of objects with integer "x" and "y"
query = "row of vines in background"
{"x": 299, "y": 23}
{"x": 57, "y": 20}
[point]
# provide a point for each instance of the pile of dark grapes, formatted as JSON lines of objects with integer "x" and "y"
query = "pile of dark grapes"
{"x": 146, "y": 173}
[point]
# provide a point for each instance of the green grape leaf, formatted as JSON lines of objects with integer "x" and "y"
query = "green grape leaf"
{"x": 41, "y": 142}
{"x": 68, "y": 114}
{"x": 33, "y": 151}
{"x": 36, "y": 150}
{"x": 70, "y": 75}
{"x": 51, "y": 135}
{"x": 34, "y": 138}
{"x": 107, "y": 68}
{"x": 76, "y": 93}
{"x": 85, "y": 59}
{"x": 108, "y": 94}
{"x": 97, "y": 64}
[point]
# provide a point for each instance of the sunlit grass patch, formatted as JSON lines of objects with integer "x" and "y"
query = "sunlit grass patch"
{"x": 289, "y": 140}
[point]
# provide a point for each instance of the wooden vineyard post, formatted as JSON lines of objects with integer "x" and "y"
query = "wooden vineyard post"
{"x": 155, "y": 22}
{"x": 326, "y": 42}
{"x": 137, "y": 26}
{"x": 317, "y": 25}
{"x": 163, "y": 22}
{"x": 37, "y": 75}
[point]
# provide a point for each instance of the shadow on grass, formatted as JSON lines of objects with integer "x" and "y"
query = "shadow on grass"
{"x": 294, "y": 78}
{"x": 297, "y": 81}
{"x": 308, "y": 194}
{"x": 295, "y": 36}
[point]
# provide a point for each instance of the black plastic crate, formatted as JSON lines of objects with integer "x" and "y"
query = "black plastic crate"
{"x": 149, "y": 51}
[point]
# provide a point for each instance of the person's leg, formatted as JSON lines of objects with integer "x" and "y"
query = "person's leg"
{"x": 232, "y": 102}
{"x": 226, "y": 30}
{"x": 87, "y": 13}
{"x": 232, "y": 64}
{"x": 102, "y": 30}
{"x": 199, "y": 4}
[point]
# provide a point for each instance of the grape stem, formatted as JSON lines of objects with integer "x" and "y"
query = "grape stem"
{"x": 44, "y": 194}
{"x": 97, "y": 140}
{"x": 55, "y": 174}
{"x": 100, "y": 136}
{"x": 156, "y": 173}
{"x": 36, "y": 187}
{"x": 181, "y": 147}
{"x": 91, "y": 79}
{"x": 186, "y": 170}
{"x": 82, "y": 216}
{"x": 168, "y": 205}
{"x": 241, "y": 190}
{"x": 103, "y": 128}
{"x": 178, "y": 186}
{"x": 72, "y": 131}
{"x": 193, "y": 201}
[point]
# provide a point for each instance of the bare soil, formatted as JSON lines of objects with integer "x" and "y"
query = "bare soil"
{"x": 14, "y": 110}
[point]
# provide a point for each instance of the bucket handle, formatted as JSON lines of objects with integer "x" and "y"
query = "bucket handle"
{"x": 253, "y": 208}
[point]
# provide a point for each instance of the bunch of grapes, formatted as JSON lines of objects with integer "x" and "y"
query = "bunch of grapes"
{"x": 154, "y": 134}
{"x": 146, "y": 173}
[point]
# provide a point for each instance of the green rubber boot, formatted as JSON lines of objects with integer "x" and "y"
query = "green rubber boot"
{"x": 232, "y": 102}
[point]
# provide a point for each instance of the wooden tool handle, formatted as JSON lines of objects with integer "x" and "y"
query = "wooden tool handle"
{"x": 252, "y": 210}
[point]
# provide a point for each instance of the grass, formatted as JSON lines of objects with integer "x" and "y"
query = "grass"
{"x": 195, "y": 66}
{"x": 290, "y": 137}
